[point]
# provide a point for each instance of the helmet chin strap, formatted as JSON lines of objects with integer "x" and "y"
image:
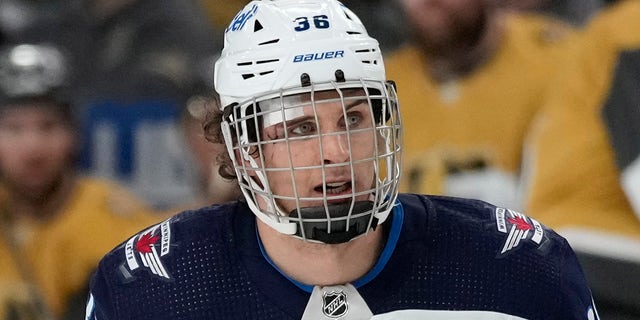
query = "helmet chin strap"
{"x": 341, "y": 227}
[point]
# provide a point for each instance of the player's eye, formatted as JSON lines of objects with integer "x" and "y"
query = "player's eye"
{"x": 302, "y": 129}
{"x": 353, "y": 120}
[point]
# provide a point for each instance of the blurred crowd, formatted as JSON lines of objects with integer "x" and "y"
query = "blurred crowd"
{"x": 529, "y": 104}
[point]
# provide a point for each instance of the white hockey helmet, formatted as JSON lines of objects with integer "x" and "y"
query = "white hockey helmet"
{"x": 275, "y": 50}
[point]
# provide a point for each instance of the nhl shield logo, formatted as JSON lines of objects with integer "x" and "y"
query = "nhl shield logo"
{"x": 334, "y": 304}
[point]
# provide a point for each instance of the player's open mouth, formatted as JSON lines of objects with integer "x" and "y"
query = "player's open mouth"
{"x": 335, "y": 187}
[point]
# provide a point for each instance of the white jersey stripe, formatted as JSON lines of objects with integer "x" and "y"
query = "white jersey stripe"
{"x": 507, "y": 243}
{"x": 161, "y": 271}
{"x": 444, "y": 315}
{"x": 91, "y": 307}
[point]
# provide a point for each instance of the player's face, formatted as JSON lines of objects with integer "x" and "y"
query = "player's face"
{"x": 326, "y": 159}
{"x": 440, "y": 24}
{"x": 36, "y": 148}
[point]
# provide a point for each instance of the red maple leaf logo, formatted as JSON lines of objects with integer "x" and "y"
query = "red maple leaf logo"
{"x": 146, "y": 241}
{"x": 520, "y": 223}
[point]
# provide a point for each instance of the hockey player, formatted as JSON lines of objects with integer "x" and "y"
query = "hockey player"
{"x": 313, "y": 132}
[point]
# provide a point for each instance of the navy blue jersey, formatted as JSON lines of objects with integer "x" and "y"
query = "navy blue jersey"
{"x": 444, "y": 257}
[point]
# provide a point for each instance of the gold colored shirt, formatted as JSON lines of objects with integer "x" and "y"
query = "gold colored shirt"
{"x": 56, "y": 257}
{"x": 476, "y": 123}
{"x": 575, "y": 181}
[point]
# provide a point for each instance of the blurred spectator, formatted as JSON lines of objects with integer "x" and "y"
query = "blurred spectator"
{"x": 209, "y": 187}
{"x": 585, "y": 146}
{"x": 198, "y": 155}
{"x": 55, "y": 224}
{"x": 474, "y": 76}
{"x": 133, "y": 64}
{"x": 583, "y": 158}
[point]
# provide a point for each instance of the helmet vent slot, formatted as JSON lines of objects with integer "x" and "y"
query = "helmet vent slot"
{"x": 267, "y": 61}
{"x": 347, "y": 15}
{"x": 353, "y": 32}
{"x": 248, "y": 76}
{"x": 257, "y": 26}
{"x": 241, "y": 64}
{"x": 269, "y": 42}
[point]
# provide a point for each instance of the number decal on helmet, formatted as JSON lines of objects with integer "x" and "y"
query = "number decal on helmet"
{"x": 319, "y": 22}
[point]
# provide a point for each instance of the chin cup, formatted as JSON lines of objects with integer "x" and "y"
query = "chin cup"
{"x": 316, "y": 225}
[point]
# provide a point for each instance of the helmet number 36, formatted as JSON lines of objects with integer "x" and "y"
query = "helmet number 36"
{"x": 319, "y": 22}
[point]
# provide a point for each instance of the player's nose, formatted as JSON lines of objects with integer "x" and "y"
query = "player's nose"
{"x": 335, "y": 148}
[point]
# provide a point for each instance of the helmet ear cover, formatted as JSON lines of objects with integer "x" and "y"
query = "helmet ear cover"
{"x": 252, "y": 129}
{"x": 376, "y": 106}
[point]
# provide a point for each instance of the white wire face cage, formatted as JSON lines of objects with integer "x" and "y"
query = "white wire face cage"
{"x": 321, "y": 162}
